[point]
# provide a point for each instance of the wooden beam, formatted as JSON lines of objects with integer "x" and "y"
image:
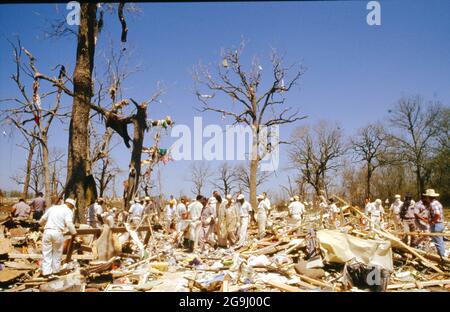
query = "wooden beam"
{"x": 283, "y": 287}
{"x": 39, "y": 256}
{"x": 113, "y": 230}
{"x": 423, "y": 284}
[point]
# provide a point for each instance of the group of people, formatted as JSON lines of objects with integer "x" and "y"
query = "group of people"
{"x": 425, "y": 215}
{"x": 35, "y": 209}
{"x": 215, "y": 221}
{"x": 223, "y": 221}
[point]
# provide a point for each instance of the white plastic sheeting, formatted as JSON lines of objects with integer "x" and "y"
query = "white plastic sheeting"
{"x": 339, "y": 247}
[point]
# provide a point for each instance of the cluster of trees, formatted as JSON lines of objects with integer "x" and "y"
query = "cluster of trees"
{"x": 89, "y": 167}
{"x": 226, "y": 178}
{"x": 408, "y": 152}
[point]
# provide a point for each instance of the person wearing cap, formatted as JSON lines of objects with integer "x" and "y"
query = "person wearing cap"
{"x": 136, "y": 212}
{"x": 408, "y": 218}
{"x": 56, "y": 219}
{"x": 93, "y": 212}
{"x": 395, "y": 210}
{"x": 21, "y": 210}
{"x": 261, "y": 217}
{"x": 296, "y": 211}
{"x": 195, "y": 223}
{"x": 435, "y": 219}
{"x": 244, "y": 209}
{"x": 376, "y": 213}
{"x": 181, "y": 215}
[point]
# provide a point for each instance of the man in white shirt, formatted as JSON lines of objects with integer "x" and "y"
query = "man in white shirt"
{"x": 181, "y": 216}
{"x": 56, "y": 219}
{"x": 135, "y": 213}
{"x": 261, "y": 217}
{"x": 296, "y": 211}
{"x": 333, "y": 211}
{"x": 169, "y": 214}
{"x": 93, "y": 212}
{"x": 267, "y": 200}
{"x": 376, "y": 213}
{"x": 244, "y": 209}
{"x": 395, "y": 210}
{"x": 195, "y": 212}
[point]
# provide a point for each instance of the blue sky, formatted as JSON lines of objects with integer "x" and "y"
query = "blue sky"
{"x": 355, "y": 72}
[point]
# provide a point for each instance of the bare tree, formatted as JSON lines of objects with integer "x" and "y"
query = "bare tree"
{"x": 226, "y": 179}
{"x": 30, "y": 114}
{"x": 199, "y": 175}
{"x": 258, "y": 107}
{"x": 369, "y": 146}
{"x": 294, "y": 187}
{"x": 315, "y": 152}
{"x": 418, "y": 125}
{"x": 244, "y": 178}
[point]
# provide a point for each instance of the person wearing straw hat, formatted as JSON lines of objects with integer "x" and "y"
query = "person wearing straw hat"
{"x": 261, "y": 217}
{"x": 56, "y": 220}
{"x": 436, "y": 219}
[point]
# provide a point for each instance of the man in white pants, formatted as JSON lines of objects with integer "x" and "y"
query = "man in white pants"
{"x": 263, "y": 210}
{"x": 296, "y": 211}
{"x": 56, "y": 219}
{"x": 195, "y": 212}
{"x": 244, "y": 209}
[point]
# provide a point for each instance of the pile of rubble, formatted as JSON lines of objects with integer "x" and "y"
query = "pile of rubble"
{"x": 348, "y": 257}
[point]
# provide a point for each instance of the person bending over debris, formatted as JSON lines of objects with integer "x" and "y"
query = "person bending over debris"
{"x": 38, "y": 206}
{"x": 93, "y": 212}
{"x": 21, "y": 210}
{"x": 244, "y": 208}
{"x": 436, "y": 219}
{"x": 261, "y": 217}
{"x": 57, "y": 219}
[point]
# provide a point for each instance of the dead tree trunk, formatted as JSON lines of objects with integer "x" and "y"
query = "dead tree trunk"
{"x": 31, "y": 146}
{"x": 45, "y": 164}
{"x": 78, "y": 155}
{"x": 139, "y": 125}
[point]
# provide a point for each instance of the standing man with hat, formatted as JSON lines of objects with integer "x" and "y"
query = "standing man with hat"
{"x": 244, "y": 208}
{"x": 436, "y": 219}
{"x": 408, "y": 218}
{"x": 395, "y": 210}
{"x": 261, "y": 217}
{"x": 56, "y": 219}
